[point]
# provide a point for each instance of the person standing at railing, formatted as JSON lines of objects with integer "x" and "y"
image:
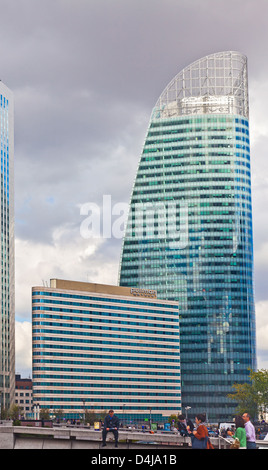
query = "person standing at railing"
{"x": 240, "y": 432}
{"x": 182, "y": 425}
{"x": 250, "y": 432}
{"x": 199, "y": 437}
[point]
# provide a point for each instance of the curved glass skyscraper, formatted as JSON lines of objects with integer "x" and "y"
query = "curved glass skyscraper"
{"x": 189, "y": 229}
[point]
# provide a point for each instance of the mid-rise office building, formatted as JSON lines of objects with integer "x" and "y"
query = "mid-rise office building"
{"x": 189, "y": 230}
{"x": 7, "y": 289}
{"x": 97, "y": 347}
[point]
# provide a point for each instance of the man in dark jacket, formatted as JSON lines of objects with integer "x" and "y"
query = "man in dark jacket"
{"x": 182, "y": 425}
{"x": 111, "y": 424}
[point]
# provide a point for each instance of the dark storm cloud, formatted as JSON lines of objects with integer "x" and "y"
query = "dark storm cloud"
{"x": 85, "y": 76}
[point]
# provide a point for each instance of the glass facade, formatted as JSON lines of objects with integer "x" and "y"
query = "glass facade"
{"x": 7, "y": 338}
{"x": 189, "y": 230}
{"x": 99, "y": 350}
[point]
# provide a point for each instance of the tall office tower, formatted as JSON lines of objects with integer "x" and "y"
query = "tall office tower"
{"x": 189, "y": 229}
{"x": 7, "y": 294}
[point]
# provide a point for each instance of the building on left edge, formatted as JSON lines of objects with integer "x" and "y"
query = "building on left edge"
{"x": 7, "y": 289}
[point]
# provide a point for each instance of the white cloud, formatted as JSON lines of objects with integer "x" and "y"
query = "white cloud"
{"x": 68, "y": 256}
{"x": 258, "y": 93}
{"x": 23, "y": 341}
{"x": 262, "y": 324}
{"x": 262, "y": 334}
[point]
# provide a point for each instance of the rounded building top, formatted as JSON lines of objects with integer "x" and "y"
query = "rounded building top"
{"x": 217, "y": 83}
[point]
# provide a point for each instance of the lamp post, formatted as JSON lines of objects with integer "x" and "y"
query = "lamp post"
{"x": 186, "y": 411}
{"x": 84, "y": 412}
{"x": 124, "y": 424}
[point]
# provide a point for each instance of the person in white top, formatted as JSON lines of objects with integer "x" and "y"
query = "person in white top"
{"x": 250, "y": 432}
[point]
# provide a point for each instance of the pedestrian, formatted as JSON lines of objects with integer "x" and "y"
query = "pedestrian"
{"x": 250, "y": 432}
{"x": 111, "y": 424}
{"x": 182, "y": 425}
{"x": 200, "y": 438}
{"x": 240, "y": 432}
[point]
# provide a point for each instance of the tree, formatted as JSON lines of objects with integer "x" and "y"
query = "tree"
{"x": 44, "y": 413}
{"x": 90, "y": 417}
{"x": 4, "y": 413}
{"x": 59, "y": 414}
{"x": 173, "y": 418}
{"x": 252, "y": 397}
{"x": 102, "y": 414}
{"x": 14, "y": 412}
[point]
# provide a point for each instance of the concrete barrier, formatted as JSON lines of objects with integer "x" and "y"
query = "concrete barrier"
{"x": 24, "y": 437}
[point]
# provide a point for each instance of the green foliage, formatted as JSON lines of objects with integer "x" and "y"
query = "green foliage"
{"x": 90, "y": 417}
{"x": 173, "y": 417}
{"x": 102, "y": 414}
{"x": 252, "y": 397}
{"x": 44, "y": 413}
{"x": 59, "y": 414}
{"x": 16, "y": 422}
{"x": 4, "y": 413}
{"x": 14, "y": 412}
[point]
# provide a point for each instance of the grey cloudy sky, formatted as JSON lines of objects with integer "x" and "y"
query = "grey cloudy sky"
{"x": 85, "y": 76}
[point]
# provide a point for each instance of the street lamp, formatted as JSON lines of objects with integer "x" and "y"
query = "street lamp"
{"x": 186, "y": 411}
{"x": 84, "y": 411}
{"x": 124, "y": 424}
